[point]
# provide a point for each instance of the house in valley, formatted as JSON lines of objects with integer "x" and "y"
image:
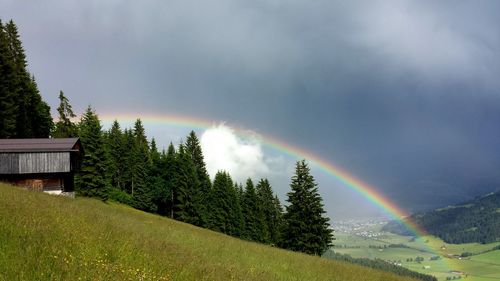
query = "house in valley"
{"x": 46, "y": 165}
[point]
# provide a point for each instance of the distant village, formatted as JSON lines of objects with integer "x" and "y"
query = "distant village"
{"x": 367, "y": 228}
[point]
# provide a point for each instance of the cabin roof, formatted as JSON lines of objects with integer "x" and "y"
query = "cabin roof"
{"x": 40, "y": 145}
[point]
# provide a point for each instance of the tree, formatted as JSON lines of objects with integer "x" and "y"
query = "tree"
{"x": 223, "y": 210}
{"x": 33, "y": 117}
{"x": 252, "y": 214}
{"x": 64, "y": 127}
{"x": 167, "y": 194}
{"x": 188, "y": 207}
{"x": 194, "y": 152}
{"x": 141, "y": 163}
{"x": 271, "y": 210}
{"x": 306, "y": 229}
{"x": 91, "y": 180}
{"x": 8, "y": 106}
{"x": 115, "y": 148}
{"x": 23, "y": 113}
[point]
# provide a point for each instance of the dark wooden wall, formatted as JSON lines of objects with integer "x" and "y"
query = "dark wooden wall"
{"x": 35, "y": 162}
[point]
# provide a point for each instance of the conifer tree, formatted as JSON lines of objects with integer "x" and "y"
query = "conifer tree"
{"x": 223, "y": 210}
{"x": 115, "y": 148}
{"x": 189, "y": 206}
{"x": 141, "y": 191}
{"x": 91, "y": 180}
{"x": 8, "y": 105}
{"x": 271, "y": 209}
{"x": 64, "y": 127}
{"x": 40, "y": 117}
{"x": 306, "y": 229}
{"x": 33, "y": 117}
{"x": 193, "y": 149}
{"x": 167, "y": 194}
{"x": 128, "y": 158}
{"x": 252, "y": 214}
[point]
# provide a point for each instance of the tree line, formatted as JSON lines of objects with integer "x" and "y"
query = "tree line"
{"x": 122, "y": 165}
{"x": 379, "y": 264}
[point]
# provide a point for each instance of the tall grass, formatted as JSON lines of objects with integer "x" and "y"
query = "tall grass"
{"x": 44, "y": 237}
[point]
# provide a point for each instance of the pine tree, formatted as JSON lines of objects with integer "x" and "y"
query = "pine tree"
{"x": 188, "y": 207}
{"x": 64, "y": 127}
{"x": 33, "y": 114}
{"x": 141, "y": 191}
{"x": 115, "y": 155}
{"x": 223, "y": 210}
{"x": 194, "y": 151}
{"x": 91, "y": 180}
{"x": 40, "y": 117}
{"x": 23, "y": 113}
{"x": 8, "y": 106}
{"x": 252, "y": 214}
{"x": 128, "y": 158}
{"x": 167, "y": 194}
{"x": 306, "y": 229}
{"x": 272, "y": 213}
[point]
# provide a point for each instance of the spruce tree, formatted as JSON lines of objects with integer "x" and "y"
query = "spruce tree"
{"x": 272, "y": 213}
{"x": 40, "y": 117}
{"x": 306, "y": 229}
{"x": 188, "y": 207}
{"x": 91, "y": 180}
{"x": 194, "y": 151}
{"x": 141, "y": 191}
{"x": 8, "y": 105}
{"x": 115, "y": 152}
{"x": 64, "y": 127}
{"x": 167, "y": 194}
{"x": 223, "y": 210}
{"x": 23, "y": 113}
{"x": 33, "y": 117}
{"x": 128, "y": 158}
{"x": 252, "y": 214}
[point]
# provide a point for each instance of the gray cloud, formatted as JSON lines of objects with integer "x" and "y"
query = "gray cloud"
{"x": 404, "y": 94}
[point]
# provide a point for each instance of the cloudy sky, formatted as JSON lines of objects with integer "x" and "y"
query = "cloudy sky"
{"x": 403, "y": 94}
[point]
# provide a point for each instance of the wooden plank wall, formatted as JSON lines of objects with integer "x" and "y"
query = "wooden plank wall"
{"x": 45, "y": 162}
{"x": 35, "y": 163}
{"x": 9, "y": 163}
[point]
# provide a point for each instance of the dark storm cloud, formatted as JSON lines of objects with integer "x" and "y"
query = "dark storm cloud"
{"x": 405, "y": 94}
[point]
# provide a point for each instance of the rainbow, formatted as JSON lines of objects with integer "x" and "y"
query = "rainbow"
{"x": 345, "y": 178}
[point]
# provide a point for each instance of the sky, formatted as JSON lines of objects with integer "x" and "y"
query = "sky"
{"x": 405, "y": 95}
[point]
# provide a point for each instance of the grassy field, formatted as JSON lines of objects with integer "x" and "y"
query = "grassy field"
{"x": 44, "y": 237}
{"x": 484, "y": 265}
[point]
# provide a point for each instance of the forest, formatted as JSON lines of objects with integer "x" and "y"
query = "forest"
{"x": 477, "y": 220}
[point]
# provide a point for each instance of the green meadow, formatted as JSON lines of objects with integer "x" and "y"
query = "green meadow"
{"x": 45, "y": 237}
{"x": 482, "y": 265}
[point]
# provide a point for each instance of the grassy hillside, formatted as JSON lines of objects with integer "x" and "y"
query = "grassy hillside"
{"x": 44, "y": 237}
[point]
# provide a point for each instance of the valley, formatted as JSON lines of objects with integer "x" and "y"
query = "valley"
{"x": 428, "y": 254}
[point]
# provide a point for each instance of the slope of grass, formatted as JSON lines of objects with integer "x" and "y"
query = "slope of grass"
{"x": 44, "y": 237}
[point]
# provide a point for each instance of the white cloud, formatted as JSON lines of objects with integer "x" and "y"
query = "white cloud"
{"x": 241, "y": 156}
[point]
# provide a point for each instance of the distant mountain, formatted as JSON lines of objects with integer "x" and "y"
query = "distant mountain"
{"x": 477, "y": 220}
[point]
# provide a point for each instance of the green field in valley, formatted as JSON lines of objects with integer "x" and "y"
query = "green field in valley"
{"x": 482, "y": 265}
{"x": 45, "y": 237}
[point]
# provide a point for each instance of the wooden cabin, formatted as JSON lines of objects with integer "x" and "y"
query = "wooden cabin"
{"x": 46, "y": 165}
